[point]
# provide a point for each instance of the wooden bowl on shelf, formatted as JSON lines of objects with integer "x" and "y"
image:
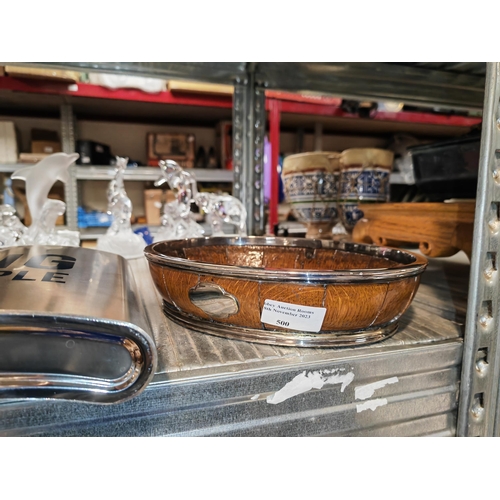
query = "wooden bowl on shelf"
{"x": 285, "y": 291}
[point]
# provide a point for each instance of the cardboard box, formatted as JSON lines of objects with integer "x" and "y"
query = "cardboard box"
{"x": 45, "y": 141}
{"x": 43, "y": 74}
{"x": 45, "y": 147}
{"x": 153, "y": 203}
{"x": 8, "y": 142}
{"x": 152, "y": 206}
{"x": 32, "y": 157}
{"x": 177, "y": 147}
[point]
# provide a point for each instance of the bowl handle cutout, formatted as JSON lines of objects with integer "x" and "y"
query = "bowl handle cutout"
{"x": 213, "y": 300}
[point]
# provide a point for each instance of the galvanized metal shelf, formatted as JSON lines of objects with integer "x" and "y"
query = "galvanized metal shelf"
{"x": 8, "y": 168}
{"x": 92, "y": 233}
{"x": 442, "y": 84}
{"x": 210, "y": 386}
{"x": 103, "y": 173}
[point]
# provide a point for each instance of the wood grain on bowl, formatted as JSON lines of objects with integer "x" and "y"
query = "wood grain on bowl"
{"x": 226, "y": 282}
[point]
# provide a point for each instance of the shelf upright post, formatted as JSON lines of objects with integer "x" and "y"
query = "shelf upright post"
{"x": 274, "y": 137}
{"x": 69, "y": 146}
{"x": 479, "y": 403}
{"x": 239, "y": 131}
{"x": 249, "y": 125}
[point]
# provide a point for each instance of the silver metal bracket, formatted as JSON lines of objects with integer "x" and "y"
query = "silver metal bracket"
{"x": 479, "y": 407}
{"x": 69, "y": 146}
{"x": 249, "y": 126}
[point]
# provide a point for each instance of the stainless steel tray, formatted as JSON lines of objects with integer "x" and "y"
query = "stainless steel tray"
{"x": 72, "y": 326}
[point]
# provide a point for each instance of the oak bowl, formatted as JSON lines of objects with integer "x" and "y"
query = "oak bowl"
{"x": 285, "y": 291}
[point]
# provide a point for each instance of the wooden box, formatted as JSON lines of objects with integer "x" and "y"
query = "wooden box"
{"x": 45, "y": 147}
{"x": 32, "y": 157}
{"x": 45, "y": 141}
{"x": 177, "y": 147}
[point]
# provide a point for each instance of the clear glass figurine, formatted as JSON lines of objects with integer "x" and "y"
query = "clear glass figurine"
{"x": 177, "y": 220}
{"x": 43, "y": 230}
{"x": 119, "y": 237}
{"x": 223, "y": 209}
{"x": 39, "y": 179}
{"x": 12, "y": 230}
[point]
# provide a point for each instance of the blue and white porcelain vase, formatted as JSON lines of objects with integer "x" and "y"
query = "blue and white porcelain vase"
{"x": 364, "y": 178}
{"x": 311, "y": 182}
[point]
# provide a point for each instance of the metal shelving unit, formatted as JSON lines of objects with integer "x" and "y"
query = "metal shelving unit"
{"x": 92, "y": 93}
{"x": 479, "y": 412}
{"x": 438, "y": 376}
{"x": 144, "y": 174}
{"x": 282, "y": 107}
{"x": 151, "y": 174}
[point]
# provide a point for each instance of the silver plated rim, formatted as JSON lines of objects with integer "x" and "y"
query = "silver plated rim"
{"x": 411, "y": 264}
{"x": 283, "y": 338}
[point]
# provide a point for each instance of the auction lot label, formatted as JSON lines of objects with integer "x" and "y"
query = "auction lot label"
{"x": 293, "y": 316}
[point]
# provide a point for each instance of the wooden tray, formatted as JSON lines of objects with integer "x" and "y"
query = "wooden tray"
{"x": 440, "y": 229}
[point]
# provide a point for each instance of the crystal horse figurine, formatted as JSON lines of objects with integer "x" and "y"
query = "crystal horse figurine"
{"x": 222, "y": 209}
{"x": 176, "y": 219}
